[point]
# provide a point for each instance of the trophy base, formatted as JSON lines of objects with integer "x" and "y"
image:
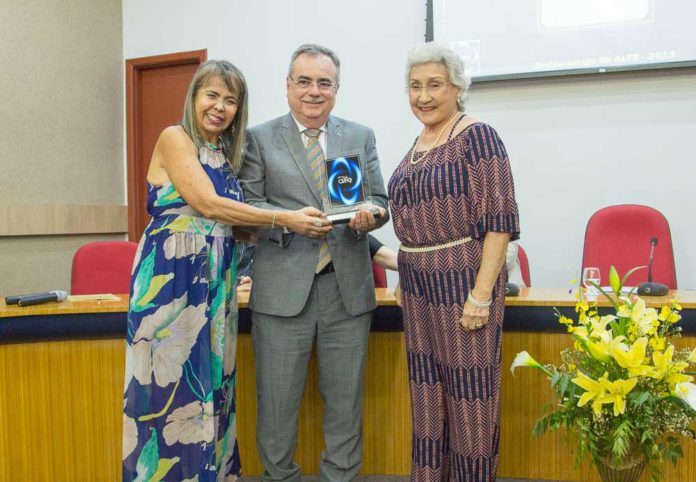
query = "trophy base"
{"x": 341, "y": 218}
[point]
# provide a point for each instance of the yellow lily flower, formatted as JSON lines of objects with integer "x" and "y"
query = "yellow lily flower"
{"x": 602, "y": 349}
{"x": 657, "y": 343}
{"x": 616, "y": 393}
{"x": 600, "y": 330}
{"x": 645, "y": 319}
{"x": 668, "y": 370}
{"x": 580, "y": 332}
{"x": 598, "y": 351}
{"x": 632, "y": 359}
{"x": 668, "y": 315}
{"x": 593, "y": 391}
{"x": 692, "y": 356}
{"x": 678, "y": 377}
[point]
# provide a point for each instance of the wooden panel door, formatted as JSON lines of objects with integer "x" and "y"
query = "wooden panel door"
{"x": 155, "y": 93}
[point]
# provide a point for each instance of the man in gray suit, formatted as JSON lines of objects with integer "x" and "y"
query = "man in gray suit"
{"x": 310, "y": 288}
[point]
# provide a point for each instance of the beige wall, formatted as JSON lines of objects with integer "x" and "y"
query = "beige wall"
{"x": 61, "y": 125}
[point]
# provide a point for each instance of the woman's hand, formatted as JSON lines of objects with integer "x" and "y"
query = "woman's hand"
{"x": 244, "y": 284}
{"x": 474, "y": 317}
{"x": 397, "y": 293}
{"x": 307, "y": 221}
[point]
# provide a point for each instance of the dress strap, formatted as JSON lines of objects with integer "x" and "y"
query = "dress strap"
{"x": 449, "y": 138}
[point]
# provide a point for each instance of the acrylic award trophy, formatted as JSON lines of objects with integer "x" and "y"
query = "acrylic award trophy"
{"x": 345, "y": 190}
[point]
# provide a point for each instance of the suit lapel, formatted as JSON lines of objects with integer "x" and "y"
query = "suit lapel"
{"x": 334, "y": 140}
{"x": 293, "y": 141}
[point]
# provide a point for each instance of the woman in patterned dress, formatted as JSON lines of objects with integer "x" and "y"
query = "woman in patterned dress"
{"x": 454, "y": 211}
{"x": 179, "y": 417}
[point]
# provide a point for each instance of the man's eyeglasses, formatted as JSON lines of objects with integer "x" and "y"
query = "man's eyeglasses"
{"x": 430, "y": 87}
{"x": 305, "y": 84}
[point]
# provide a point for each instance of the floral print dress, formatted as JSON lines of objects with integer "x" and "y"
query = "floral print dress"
{"x": 179, "y": 420}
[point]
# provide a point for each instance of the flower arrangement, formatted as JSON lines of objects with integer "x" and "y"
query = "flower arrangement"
{"x": 623, "y": 390}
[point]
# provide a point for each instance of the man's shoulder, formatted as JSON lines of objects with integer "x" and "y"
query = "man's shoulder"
{"x": 349, "y": 124}
{"x": 270, "y": 125}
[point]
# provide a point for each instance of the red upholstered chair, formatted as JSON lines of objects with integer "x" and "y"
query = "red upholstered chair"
{"x": 524, "y": 266}
{"x": 620, "y": 236}
{"x": 380, "y": 275}
{"x": 103, "y": 267}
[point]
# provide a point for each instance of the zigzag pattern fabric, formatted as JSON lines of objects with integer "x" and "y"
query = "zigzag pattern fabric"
{"x": 463, "y": 188}
{"x": 315, "y": 156}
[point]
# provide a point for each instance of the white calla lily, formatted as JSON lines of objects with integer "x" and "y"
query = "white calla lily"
{"x": 686, "y": 391}
{"x": 524, "y": 359}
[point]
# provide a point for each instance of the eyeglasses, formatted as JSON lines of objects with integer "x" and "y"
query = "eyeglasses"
{"x": 306, "y": 84}
{"x": 430, "y": 88}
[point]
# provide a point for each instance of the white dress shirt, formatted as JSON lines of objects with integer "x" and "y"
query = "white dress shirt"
{"x": 305, "y": 138}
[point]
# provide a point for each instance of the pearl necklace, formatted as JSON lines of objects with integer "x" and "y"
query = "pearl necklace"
{"x": 434, "y": 144}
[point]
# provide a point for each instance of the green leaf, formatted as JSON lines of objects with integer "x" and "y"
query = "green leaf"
{"x": 540, "y": 427}
{"x": 148, "y": 459}
{"x": 614, "y": 281}
{"x": 555, "y": 378}
{"x": 673, "y": 452}
{"x": 629, "y": 273}
{"x": 641, "y": 398}
{"x": 565, "y": 381}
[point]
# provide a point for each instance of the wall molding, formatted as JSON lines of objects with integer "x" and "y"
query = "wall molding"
{"x": 61, "y": 219}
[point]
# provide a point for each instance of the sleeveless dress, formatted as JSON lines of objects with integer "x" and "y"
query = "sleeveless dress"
{"x": 179, "y": 416}
{"x": 461, "y": 189}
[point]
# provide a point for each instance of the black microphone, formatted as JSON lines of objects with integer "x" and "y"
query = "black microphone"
{"x": 14, "y": 299}
{"x": 38, "y": 298}
{"x": 511, "y": 289}
{"x": 649, "y": 288}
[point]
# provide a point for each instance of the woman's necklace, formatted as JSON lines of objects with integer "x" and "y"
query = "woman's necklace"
{"x": 434, "y": 144}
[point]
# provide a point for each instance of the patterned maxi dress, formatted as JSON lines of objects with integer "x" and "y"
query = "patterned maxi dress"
{"x": 179, "y": 417}
{"x": 462, "y": 188}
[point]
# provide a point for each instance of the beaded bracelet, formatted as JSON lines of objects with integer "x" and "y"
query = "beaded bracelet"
{"x": 478, "y": 303}
{"x": 274, "y": 216}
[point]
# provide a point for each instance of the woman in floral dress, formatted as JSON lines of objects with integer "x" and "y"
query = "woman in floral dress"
{"x": 179, "y": 418}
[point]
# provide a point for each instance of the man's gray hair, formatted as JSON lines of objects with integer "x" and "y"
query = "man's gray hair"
{"x": 316, "y": 49}
{"x": 441, "y": 54}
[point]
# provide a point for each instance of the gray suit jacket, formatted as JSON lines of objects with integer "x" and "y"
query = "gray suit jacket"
{"x": 276, "y": 175}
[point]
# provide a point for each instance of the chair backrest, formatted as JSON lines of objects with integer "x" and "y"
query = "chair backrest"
{"x": 524, "y": 266}
{"x": 620, "y": 236}
{"x": 102, "y": 267}
{"x": 380, "y": 275}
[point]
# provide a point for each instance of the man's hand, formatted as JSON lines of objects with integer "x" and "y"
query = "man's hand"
{"x": 364, "y": 221}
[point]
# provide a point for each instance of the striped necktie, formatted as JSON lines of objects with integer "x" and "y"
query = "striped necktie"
{"x": 315, "y": 157}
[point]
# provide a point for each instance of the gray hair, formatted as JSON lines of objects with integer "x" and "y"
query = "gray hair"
{"x": 441, "y": 54}
{"x": 316, "y": 49}
{"x": 232, "y": 139}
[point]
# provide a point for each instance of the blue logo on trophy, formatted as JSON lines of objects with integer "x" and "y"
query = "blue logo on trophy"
{"x": 345, "y": 181}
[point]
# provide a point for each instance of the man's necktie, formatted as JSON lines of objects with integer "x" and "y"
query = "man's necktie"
{"x": 315, "y": 157}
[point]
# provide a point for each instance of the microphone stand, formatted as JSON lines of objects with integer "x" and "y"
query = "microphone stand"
{"x": 649, "y": 288}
